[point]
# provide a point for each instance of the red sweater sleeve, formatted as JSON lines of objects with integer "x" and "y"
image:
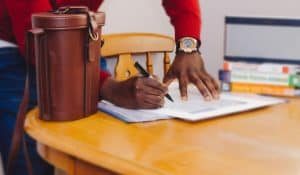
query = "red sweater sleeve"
{"x": 103, "y": 76}
{"x": 20, "y": 15}
{"x": 185, "y": 17}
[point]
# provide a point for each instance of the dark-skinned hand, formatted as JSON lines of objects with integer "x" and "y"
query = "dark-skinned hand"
{"x": 189, "y": 68}
{"x": 134, "y": 93}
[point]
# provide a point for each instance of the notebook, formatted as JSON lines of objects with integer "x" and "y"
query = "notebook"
{"x": 195, "y": 109}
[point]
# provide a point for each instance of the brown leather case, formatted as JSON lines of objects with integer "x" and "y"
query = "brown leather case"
{"x": 67, "y": 52}
{"x": 67, "y": 45}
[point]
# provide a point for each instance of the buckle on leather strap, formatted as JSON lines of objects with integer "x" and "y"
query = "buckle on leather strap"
{"x": 93, "y": 36}
{"x": 93, "y": 26}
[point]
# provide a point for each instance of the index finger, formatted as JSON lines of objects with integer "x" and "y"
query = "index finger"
{"x": 216, "y": 84}
{"x": 155, "y": 84}
{"x": 183, "y": 82}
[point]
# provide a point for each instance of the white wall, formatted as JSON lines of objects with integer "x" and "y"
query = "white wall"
{"x": 135, "y": 16}
{"x": 149, "y": 16}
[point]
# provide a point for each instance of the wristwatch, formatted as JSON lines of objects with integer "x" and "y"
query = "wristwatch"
{"x": 187, "y": 45}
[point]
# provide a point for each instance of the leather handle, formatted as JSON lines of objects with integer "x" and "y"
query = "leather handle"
{"x": 19, "y": 126}
{"x": 42, "y": 69}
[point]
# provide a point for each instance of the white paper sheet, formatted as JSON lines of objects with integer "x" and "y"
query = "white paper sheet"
{"x": 195, "y": 108}
{"x": 128, "y": 115}
{"x": 6, "y": 44}
{"x": 1, "y": 166}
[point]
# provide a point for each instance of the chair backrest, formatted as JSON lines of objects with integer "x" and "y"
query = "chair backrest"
{"x": 124, "y": 45}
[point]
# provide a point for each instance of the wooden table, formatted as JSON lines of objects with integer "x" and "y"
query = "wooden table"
{"x": 260, "y": 142}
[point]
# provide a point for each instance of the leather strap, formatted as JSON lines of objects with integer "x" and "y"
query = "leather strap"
{"x": 92, "y": 46}
{"x": 42, "y": 63}
{"x": 18, "y": 133}
{"x": 18, "y": 130}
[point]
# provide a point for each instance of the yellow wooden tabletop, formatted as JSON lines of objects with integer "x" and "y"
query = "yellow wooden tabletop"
{"x": 264, "y": 141}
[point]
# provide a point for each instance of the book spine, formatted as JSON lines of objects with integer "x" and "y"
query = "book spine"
{"x": 260, "y": 89}
{"x": 294, "y": 80}
{"x": 255, "y": 77}
{"x": 228, "y": 66}
{"x": 263, "y": 67}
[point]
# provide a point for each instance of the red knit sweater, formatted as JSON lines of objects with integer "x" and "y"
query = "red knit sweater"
{"x": 15, "y": 16}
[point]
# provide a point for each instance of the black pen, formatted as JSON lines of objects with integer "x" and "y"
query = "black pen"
{"x": 146, "y": 74}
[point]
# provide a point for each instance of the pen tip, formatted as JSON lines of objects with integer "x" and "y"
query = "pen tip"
{"x": 169, "y": 97}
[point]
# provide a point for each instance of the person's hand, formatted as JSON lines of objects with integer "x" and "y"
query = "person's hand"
{"x": 134, "y": 93}
{"x": 189, "y": 68}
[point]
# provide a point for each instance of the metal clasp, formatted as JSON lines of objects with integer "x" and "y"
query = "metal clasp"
{"x": 93, "y": 36}
{"x": 61, "y": 10}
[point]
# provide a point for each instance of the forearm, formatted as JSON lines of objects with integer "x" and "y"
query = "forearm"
{"x": 20, "y": 14}
{"x": 185, "y": 17}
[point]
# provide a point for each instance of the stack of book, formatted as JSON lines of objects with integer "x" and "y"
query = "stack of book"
{"x": 261, "y": 78}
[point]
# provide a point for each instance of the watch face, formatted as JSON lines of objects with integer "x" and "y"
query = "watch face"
{"x": 188, "y": 43}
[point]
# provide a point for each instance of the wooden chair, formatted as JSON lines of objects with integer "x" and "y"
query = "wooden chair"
{"x": 124, "y": 45}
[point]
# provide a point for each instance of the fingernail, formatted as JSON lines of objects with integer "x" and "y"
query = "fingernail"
{"x": 207, "y": 98}
{"x": 184, "y": 98}
{"x": 216, "y": 96}
{"x": 162, "y": 105}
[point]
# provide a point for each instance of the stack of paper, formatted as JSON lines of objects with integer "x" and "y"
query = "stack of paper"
{"x": 194, "y": 109}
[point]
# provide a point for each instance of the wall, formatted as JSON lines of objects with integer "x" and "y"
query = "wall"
{"x": 149, "y": 16}
{"x": 136, "y": 16}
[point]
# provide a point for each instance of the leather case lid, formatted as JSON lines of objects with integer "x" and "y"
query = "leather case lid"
{"x": 48, "y": 20}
